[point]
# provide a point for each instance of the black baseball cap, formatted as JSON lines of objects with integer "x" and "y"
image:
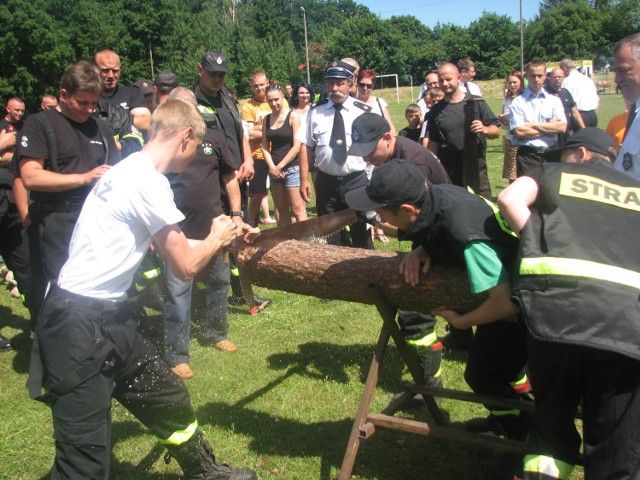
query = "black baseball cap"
{"x": 591, "y": 138}
{"x": 366, "y": 130}
{"x": 340, "y": 69}
{"x": 166, "y": 79}
{"x": 394, "y": 183}
{"x": 144, "y": 85}
{"x": 214, "y": 62}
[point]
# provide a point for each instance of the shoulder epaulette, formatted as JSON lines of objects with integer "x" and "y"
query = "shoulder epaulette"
{"x": 362, "y": 106}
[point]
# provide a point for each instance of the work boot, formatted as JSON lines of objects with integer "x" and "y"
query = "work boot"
{"x": 458, "y": 339}
{"x": 5, "y": 344}
{"x": 198, "y": 462}
{"x": 513, "y": 427}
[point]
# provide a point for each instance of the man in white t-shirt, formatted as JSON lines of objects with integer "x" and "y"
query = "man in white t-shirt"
{"x": 87, "y": 337}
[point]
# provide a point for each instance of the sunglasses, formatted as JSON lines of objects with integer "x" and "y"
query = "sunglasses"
{"x": 365, "y": 85}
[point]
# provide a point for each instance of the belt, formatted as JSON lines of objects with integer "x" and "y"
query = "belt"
{"x": 344, "y": 178}
{"x": 92, "y": 303}
{"x": 58, "y": 206}
{"x": 539, "y": 150}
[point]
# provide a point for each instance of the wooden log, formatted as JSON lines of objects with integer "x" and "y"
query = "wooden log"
{"x": 341, "y": 273}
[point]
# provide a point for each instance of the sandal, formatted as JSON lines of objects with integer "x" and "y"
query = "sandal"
{"x": 225, "y": 346}
{"x": 183, "y": 371}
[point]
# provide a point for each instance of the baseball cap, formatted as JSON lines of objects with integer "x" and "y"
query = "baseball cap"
{"x": 214, "y": 62}
{"x": 340, "y": 69}
{"x": 166, "y": 79}
{"x": 591, "y": 138}
{"x": 366, "y": 130}
{"x": 394, "y": 183}
{"x": 146, "y": 86}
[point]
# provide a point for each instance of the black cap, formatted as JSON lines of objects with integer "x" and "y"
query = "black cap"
{"x": 340, "y": 69}
{"x": 144, "y": 85}
{"x": 394, "y": 183}
{"x": 214, "y": 62}
{"x": 366, "y": 130}
{"x": 591, "y": 138}
{"x": 166, "y": 79}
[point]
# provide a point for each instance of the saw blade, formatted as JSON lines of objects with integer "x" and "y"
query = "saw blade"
{"x": 315, "y": 230}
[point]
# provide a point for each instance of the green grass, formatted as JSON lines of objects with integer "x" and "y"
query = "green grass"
{"x": 283, "y": 404}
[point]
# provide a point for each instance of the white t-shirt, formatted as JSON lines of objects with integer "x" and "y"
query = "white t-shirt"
{"x": 127, "y": 206}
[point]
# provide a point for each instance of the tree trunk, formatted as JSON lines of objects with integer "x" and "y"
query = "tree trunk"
{"x": 355, "y": 275}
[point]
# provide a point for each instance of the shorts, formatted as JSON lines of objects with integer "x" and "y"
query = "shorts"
{"x": 258, "y": 184}
{"x": 291, "y": 177}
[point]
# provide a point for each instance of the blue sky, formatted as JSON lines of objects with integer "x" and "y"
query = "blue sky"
{"x": 460, "y": 12}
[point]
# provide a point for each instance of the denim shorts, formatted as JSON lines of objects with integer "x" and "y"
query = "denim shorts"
{"x": 291, "y": 177}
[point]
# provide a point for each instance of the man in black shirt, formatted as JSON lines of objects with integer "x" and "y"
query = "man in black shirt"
{"x": 12, "y": 122}
{"x": 457, "y": 121}
{"x": 59, "y": 183}
{"x": 553, "y": 85}
{"x": 130, "y": 98}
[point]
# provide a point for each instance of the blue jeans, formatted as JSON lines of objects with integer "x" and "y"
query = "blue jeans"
{"x": 211, "y": 287}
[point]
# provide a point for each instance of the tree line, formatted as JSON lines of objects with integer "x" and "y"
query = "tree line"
{"x": 41, "y": 37}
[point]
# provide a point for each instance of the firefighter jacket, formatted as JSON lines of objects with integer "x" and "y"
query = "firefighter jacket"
{"x": 578, "y": 274}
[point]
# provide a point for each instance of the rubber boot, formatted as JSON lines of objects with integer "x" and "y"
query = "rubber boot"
{"x": 198, "y": 462}
{"x": 419, "y": 332}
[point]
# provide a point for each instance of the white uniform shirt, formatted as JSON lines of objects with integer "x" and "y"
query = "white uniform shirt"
{"x": 583, "y": 91}
{"x": 631, "y": 147}
{"x": 471, "y": 87}
{"x": 531, "y": 108}
{"x": 124, "y": 210}
{"x": 317, "y": 134}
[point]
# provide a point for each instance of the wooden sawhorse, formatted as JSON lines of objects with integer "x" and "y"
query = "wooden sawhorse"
{"x": 365, "y": 422}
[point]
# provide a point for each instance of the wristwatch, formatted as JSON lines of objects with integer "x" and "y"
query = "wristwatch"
{"x": 237, "y": 214}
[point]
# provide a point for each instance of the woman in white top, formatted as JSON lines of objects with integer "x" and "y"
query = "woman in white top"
{"x": 514, "y": 86}
{"x": 366, "y": 82}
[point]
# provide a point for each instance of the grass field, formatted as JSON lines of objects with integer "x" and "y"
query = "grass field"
{"x": 284, "y": 403}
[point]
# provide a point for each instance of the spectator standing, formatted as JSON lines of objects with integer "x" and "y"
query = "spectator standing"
{"x": 366, "y": 83}
{"x": 626, "y": 63}
{"x": 537, "y": 117}
{"x": 554, "y": 86}
{"x": 48, "y": 101}
{"x": 163, "y": 84}
{"x": 327, "y": 138}
{"x": 430, "y": 81}
{"x": 412, "y": 115}
{"x": 467, "y": 69}
{"x": 130, "y": 98}
{"x": 514, "y": 86}
{"x": 12, "y": 122}
{"x": 584, "y": 93}
{"x": 281, "y": 148}
{"x": 146, "y": 87}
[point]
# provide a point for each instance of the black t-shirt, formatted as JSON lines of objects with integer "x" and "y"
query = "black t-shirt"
{"x": 445, "y": 122}
{"x": 410, "y": 133}
{"x": 17, "y": 126}
{"x": 197, "y": 190}
{"x": 80, "y": 149}
{"x": 127, "y": 97}
{"x": 423, "y": 159}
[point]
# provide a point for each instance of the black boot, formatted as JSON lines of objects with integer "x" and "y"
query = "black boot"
{"x": 5, "y": 344}
{"x": 198, "y": 462}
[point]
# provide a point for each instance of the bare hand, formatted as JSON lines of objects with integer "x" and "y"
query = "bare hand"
{"x": 477, "y": 126}
{"x": 7, "y": 140}
{"x": 249, "y": 233}
{"x": 305, "y": 190}
{"x": 450, "y": 316}
{"x": 224, "y": 229}
{"x": 94, "y": 175}
{"x": 246, "y": 171}
{"x": 413, "y": 263}
{"x": 275, "y": 172}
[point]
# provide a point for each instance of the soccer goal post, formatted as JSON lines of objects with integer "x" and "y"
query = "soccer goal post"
{"x": 395, "y": 75}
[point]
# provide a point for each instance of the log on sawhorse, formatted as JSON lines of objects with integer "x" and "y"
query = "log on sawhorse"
{"x": 364, "y": 425}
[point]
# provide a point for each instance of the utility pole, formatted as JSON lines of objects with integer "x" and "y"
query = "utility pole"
{"x": 306, "y": 43}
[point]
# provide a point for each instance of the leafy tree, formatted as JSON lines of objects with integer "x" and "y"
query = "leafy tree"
{"x": 495, "y": 45}
{"x": 567, "y": 29}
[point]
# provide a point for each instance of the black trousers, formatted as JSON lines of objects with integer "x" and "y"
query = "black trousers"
{"x": 330, "y": 197}
{"x": 497, "y": 356}
{"x": 14, "y": 248}
{"x": 529, "y": 162}
{"x": 608, "y": 384}
{"x": 453, "y": 163}
{"x": 132, "y": 372}
{"x": 49, "y": 237}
